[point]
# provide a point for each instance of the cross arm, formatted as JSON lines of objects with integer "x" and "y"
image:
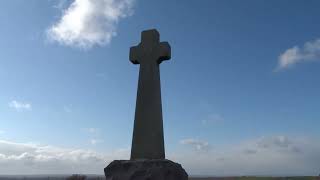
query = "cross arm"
{"x": 134, "y": 55}
{"x": 164, "y": 52}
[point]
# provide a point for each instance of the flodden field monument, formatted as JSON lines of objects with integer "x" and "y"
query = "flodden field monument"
{"x": 147, "y": 160}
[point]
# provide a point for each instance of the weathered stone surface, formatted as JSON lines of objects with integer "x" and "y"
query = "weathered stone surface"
{"x": 147, "y": 161}
{"x": 161, "y": 169}
{"x": 147, "y": 140}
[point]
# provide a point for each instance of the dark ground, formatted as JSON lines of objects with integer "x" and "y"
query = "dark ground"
{"x": 63, "y": 177}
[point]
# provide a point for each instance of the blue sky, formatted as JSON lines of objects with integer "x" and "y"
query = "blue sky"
{"x": 242, "y": 80}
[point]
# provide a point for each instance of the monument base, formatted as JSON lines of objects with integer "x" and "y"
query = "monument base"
{"x": 159, "y": 169}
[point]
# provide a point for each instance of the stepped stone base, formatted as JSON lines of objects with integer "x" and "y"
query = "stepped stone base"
{"x": 145, "y": 170}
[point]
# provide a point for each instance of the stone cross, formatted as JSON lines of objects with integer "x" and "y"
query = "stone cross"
{"x": 147, "y": 141}
{"x": 147, "y": 152}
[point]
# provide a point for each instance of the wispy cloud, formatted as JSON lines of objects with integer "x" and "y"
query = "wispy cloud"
{"x": 86, "y": 23}
{"x": 272, "y": 155}
{"x": 28, "y": 158}
{"x": 94, "y": 135}
{"x": 92, "y": 131}
{"x": 310, "y": 51}
{"x": 212, "y": 118}
{"x": 95, "y": 141}
{"x": 60, "y": 4}
{"x": 197, "y": 144}
{"x": 19, "y": 106}
{"x": 275, "y": 141}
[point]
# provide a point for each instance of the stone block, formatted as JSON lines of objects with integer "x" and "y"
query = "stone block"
{"x": 161, "y": 169}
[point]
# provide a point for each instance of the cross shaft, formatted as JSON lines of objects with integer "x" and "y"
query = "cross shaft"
{"x": 148, "y": 138}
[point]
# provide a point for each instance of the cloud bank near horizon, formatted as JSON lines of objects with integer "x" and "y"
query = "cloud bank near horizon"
{"x": 86, "y": 23}
{"x": 29, "y": 158}
{"x": 273, "y": 155}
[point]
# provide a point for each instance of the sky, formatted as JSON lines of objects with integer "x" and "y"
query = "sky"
{"x": 240, "y": 94}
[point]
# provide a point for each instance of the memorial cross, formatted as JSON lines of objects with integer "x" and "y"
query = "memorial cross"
{"x": 148, "y": 140}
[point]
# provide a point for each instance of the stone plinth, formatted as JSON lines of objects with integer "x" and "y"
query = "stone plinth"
{"x": 145, "y": 170}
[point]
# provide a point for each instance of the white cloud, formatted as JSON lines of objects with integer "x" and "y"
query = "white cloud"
{"x": 197, "y": 144}
{"x": 95, "y": 141}
{"x": 309, "y": 52}
{"x": 28, "y": 158}
{"x": 60, "y": 4}
{"x": 20, "y": 105}
{"x": 275, "y": 141}
{"x": 86, "y": 23}
{"x": 94, "y": 135}
{"x": 273, "y": 155}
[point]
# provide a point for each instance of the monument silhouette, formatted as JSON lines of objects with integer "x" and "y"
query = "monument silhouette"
{"x": 147, "y": 160}
{"x": 147, "y": 141}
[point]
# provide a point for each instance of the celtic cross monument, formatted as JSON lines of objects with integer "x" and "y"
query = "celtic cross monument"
{"x": 147, "y": 141}
{"x": 147, "y": 160}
